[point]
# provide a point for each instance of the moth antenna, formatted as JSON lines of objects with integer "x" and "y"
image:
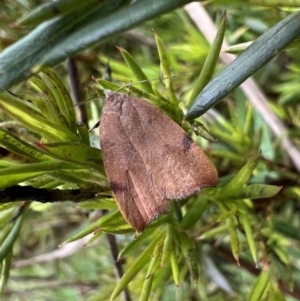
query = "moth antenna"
{"x": 151, "y": 79}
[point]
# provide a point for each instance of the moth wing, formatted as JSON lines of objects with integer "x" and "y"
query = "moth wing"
{"x": 147, "y": 199}
{"x": 178, "y": 166}
{"x": 132, "y": 185}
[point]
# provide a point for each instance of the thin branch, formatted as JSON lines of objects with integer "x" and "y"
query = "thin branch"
{"x": 28, "y": 193}
{"x": 117, "y": 264}
{"x": 76, "y": 89}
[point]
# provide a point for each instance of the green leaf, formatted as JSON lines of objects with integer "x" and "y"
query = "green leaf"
{"x": 233, "y": 238}
{"x": 60, "y": 7}
{"x": 135, "y": 267}
{"x": 13, "y": 179}
{"x": 13, "y": 175}
{"x": 260, "y": 52}
{"x": 188, "y": 249}
{"x": 103, "y": 203}
{"x": 62, "y": 98}
{"x": 165, "y": 70}
{"x": 245, "y": 221}
{"x": 137, "y": 71}
{"x": 75, "y": 152}
{"x": 83, "y": 134}
{"x": 175, "y": 268}
{"x": 5, "y": 270}
{"x": 62, "y": 37}
{"x": 227, "y": 213}
{"x": 111, "y": 218}
{"x": 9, "y": 241}
{"x": 260, "y": 285}
{"x": 167, "y": 247}
{"x": 152, "y": 268}
{"x": 240, "y": 179}
{"x": 135, "y": 243}
{"x": 212, "y": 233}
{"x": 256, "y": 191}
{"x": 210, "y": 62}
{"x": 18, "y": 146}
{"x": 31, "y": 118}
{"x": 193, "y": 213}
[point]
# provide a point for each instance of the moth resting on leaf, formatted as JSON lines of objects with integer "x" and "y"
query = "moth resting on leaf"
{"x": 149, "y": 159}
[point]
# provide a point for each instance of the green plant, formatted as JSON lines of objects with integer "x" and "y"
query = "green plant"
{"x": 213, "y": 232}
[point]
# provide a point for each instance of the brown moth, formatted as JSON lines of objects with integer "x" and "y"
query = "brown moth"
{"x": 149, "y": 159}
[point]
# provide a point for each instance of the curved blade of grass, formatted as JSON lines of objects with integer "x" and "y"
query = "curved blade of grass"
{"x": 137, "y": 71}
{"x": 118, "y": 228}
{"x": 75, "y": 152}
{"x": 105, "y": 84}
{"x": 256, "y": 191}
{"x": 260, "y": 285}
{"x": 95, "y": 236}
{"x": 194, "y": 213}
{"x": 200, "y": 130}
{"x": 147, "y": 285}
{"x": 167, "y": 79}
{"x": 83, "y": 134}
{"x": 62, "y": 37}
{"x": 167, "y": 246}
{"x": 85, "y": 174}
{"x": 210, "y": 62}
{"x": 46, "y": 182}
{"x": 107, "y": 219}
{"x": 175, "y": 268}
{"x": 153, "y": 266}
{"x": 189, "y": 252}
{"x": 17, "y": 145}
{"x": 47, "y": 105}
{"x": 5, "y": 270}
{"x": 234, "y": 241}
{"x": 261, "y": 51}
{"x": 14, "y": 179}
{"x": 100, "y": 203}
{"x": 20, "y": 173}
{"x": 61, "y": 96}
{"x": 28, "y": 116}
{"x": 212, "y": 233}
{"x": 241, "y": 178}
{"x": 135, "y": 243}
{"x": 9, "y": 241}
{"x": 135, "y": 267}
{"x": 165, "y": 70}
{"x": 227, "y": 213}
{"x": 245, "y": 221}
